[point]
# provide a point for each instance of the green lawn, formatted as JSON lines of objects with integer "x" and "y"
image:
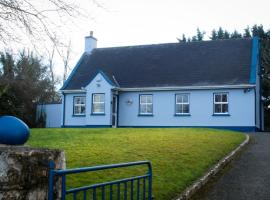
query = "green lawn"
{"x": 178, "y": 155}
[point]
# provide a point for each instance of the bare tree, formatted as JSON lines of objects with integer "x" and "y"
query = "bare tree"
{"x": 50, "y": 62}
{"x": 65, "y": 55}
{"x": 54, "y": 80}
{"x": 37, "y": 19}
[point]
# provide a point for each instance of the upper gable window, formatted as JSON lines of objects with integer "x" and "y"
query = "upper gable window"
{"x": 221, "y": 103}
{"x": 182, "y": 104}
{"x": 146, "y": 104}
{"x": 79, "y": 105}
{"x": 98, "y": 103}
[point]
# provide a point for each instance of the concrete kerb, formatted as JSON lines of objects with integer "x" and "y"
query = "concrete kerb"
{"x": 195, "y": 187}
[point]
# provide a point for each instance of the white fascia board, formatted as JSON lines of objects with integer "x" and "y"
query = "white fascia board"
{"x": 73, "y": 91}
{"x": 243, "y": 86}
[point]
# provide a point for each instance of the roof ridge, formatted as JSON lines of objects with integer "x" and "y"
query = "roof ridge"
{"x": 173, "y": 43}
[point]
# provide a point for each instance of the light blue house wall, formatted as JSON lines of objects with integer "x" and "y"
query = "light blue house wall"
{"x": 98, "y": 85}
{"x": 69, "y": 118}
{"x": 53, "y": 114}
{"x": 241, "y": 109}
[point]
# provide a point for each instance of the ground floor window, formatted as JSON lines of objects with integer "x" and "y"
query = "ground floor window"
{"x": 182, "y": 104}
{"x": 79, "y": 105}
{"x": 146, "y": 104}
{"x": 98, "y": 103}
{"x": 221, "y": 103}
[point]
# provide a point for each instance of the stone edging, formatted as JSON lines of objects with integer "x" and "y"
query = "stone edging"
{"x": 190, "y": 191}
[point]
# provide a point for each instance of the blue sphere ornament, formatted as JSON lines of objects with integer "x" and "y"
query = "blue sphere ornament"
{"x": 13, "y": 131}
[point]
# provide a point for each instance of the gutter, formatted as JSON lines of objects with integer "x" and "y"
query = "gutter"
{"x": 242, "y": 86}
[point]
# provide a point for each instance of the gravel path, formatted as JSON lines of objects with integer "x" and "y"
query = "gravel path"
{"x": 246, "y": 178}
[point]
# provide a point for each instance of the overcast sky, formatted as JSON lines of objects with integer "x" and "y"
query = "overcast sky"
{"x": 134, "y": 22}
{"x": 131, "y": 22}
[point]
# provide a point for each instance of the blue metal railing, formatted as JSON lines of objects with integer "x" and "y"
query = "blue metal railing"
{"x": 141, "y": 192}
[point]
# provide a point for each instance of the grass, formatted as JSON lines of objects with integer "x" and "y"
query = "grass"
{"x": 179, "y": 155}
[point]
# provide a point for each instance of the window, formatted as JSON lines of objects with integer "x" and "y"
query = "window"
{"x": 98, "y": 104}
{"x": 146, "y": 104}
{"x": 221, "y": 104}
{"x": 181, "y": 104}
{"x": 79, "y": 105}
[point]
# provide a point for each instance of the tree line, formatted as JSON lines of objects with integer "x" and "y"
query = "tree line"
{"x": 25, "y": 82}
{"x": 220, "y": 33}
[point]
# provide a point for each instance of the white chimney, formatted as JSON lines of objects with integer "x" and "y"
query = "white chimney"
{"x": 90, "y": 43}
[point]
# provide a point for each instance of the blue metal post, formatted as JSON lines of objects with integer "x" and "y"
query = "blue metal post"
{"x": 118, "y": 191}
{"x": 84, "y": 195}
{"x": 51, "y": 176}
{"x": 63, "y": 187}
{"x": 138, "y": 189}
{"x": 131, "y": 190}
{"x": 125, "y": 191}
{"x": 111, "y": 192}
{"x": 150, "y": 181}
{"x": 94, "y": 194}
{"x": 103, "y": 192}
{"x": 144, "y": 190}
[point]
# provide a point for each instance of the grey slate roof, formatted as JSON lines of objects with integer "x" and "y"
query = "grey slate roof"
{"x": 206, "y": 63}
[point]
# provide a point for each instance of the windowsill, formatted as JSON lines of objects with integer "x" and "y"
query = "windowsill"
{"x": 182, "y": 115}
{"x": 97, "y": 114}
{"x": 145, "y": 115}
{"x": 221, "y": 114}
{"x": 78, "y": 115}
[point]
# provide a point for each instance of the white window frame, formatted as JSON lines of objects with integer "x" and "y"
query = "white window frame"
{"x": 182, "y": 104}
{"x": 98, "y": 102}
{"x": 79, "y": 105}
{"x": 221, "y": 103}
{"x": 145, "y": 103}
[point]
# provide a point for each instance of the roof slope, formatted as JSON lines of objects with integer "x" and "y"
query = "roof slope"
{"x": 220, "y": 62}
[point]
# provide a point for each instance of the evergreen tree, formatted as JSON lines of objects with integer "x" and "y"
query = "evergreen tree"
{"x": 183, "y": 40}
{"x": 258, "y": 31}
{"x": 226, "y": 35}
{"x": 194, "y": 38}
{"x": 200, "y": 35}
{"x": 247, "y": 33}
{"x": 235, "y": 35}
{"x": 29, "y": 85}
{"x": 8, "y": 66}
{"x": 220, "y": 33}
{"x": 264, "y": 38}
{"x": 214, "y": 35}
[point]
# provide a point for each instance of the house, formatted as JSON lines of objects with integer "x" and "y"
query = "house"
{"x": 197, "y": 84}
